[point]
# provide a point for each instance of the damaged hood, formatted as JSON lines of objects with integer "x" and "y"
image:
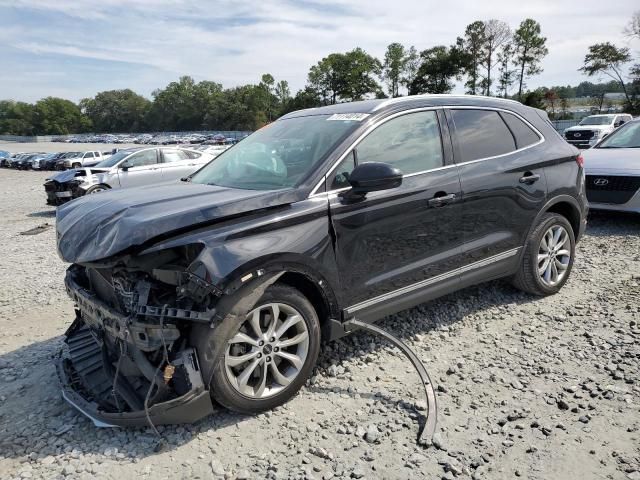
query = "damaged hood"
{"x": 96, "y": 227}
{"x": 68, "y": 175}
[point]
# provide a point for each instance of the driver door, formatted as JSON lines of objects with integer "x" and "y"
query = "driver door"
{"x": 394, "y": 245}
{"x": 143, "y": 169}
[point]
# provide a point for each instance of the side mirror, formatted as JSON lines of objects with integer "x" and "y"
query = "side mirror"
{"x": 374, "y": 176}
{"x": 124, "y": 166}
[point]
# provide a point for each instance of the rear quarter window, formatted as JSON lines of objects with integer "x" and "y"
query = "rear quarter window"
{"x": 522, "y": 132}
{"x": 481, "y": 134}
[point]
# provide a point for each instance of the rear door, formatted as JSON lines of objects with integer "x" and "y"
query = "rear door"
{"x": 143, "y": 169}
{"x": 503, "y": 182}
{"x": 395, "y": 243}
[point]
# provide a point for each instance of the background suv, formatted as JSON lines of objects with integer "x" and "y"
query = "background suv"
{"x": 222, "y": 287}
{"x": 594, "y": 128}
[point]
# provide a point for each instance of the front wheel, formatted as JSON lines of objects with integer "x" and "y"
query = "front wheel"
{"x": 267, "y": 356}
{"x": 97, "y": 189}
{"x": 548, "y": 256}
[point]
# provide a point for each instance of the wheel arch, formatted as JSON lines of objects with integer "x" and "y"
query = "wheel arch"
{"x": 309, "y": 281}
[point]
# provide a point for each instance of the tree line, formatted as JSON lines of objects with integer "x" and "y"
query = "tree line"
{"x": 489, "y": 58}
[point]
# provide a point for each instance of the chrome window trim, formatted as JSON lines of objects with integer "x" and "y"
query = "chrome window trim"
{"x": 430, "y": 281}
{"x": 372, "y": 127}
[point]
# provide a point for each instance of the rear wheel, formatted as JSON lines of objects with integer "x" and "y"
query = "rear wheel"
{"x": 266, "y": 358}
{"x": 548, "y": 256}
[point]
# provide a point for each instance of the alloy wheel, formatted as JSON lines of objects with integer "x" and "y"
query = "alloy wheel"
{"x": 268, "y": 352}
{"x": 97, "y": 190}
{"x": 554, "y": 255}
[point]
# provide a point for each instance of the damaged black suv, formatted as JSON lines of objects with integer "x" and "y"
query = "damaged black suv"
{"x": 221, "y": 287}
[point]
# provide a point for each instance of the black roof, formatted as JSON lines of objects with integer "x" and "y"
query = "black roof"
{"x": 375, "y": 106}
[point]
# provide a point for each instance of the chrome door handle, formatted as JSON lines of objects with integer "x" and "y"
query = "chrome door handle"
{"x": 529, "y": 178}
{"x": 441, "y": 200}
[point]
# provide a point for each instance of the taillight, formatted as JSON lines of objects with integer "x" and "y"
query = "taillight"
{"x": 580, "y": 160}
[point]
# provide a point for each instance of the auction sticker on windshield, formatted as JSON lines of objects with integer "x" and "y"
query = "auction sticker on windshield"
{"x": 357, "y": 117}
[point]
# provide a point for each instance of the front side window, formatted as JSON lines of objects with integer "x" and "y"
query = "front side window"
{"x": 146, "y": 157}
{"x": 280, "y": 155}
{"x": 88, "y": 155}
{"x": 410, "y": 143}
{"x": 342, "y": 172}
{"x": 481, "y": 134}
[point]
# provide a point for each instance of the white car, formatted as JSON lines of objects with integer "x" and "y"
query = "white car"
{"x": 594, "y": 128}
{"x": 132, "y": 167}
{"x": 612, "y": 170}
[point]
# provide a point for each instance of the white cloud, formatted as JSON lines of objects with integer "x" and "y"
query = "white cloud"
{"x": 235, "y": 42}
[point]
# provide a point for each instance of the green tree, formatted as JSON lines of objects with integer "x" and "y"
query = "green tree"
{"x": 496, "y": 34}
{"x": 57, "y": 116}
{"x": 440, "y": 65}
{"x": 530, "y": 49}
{"x": 267, "y": 85}
{"x": 393, "y": 67}
{"x": 411, "y": 66}
{"x": 349, "y": 76}
{"x": 282, "y": 92}
{"x": 606, "y": 58}
{"x": 473, "y": 45}
{"x": 116, "y": 111}
{"x": 16, "y": 118}
{"x": 506, "y": 76}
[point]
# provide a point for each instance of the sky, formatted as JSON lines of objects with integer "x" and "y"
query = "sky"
{"x": 76, "y": 48}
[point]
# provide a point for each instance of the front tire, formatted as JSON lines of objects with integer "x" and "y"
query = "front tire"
{"x": 96, "y": 189}
{"x": 548, "y": 256}
{"x": 266, "y": 357}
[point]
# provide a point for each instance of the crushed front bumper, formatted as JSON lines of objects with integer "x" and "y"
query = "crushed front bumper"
{"x": 90, "y": 383}
{"x": 82, "y": 375}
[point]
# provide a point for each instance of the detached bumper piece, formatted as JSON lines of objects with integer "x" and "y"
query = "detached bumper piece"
{"x": 88, "y": 385}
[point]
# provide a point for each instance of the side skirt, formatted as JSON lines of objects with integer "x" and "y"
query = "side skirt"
{"x": 498, "y": 266}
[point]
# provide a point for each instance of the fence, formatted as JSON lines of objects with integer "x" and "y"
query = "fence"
{"x": 49, "y": 138}
{"x": 561, "y": 125}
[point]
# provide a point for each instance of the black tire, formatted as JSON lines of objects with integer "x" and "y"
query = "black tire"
{"x": 527, "y": 278}
{"x": 93, "y": 189}
{"x": 76, "y": 165}
{"x": 221, "y": 388}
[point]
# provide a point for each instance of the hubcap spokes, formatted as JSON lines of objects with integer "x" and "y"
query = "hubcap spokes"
{"x": 268, "y": 351}
{"x": 554, "y": 255}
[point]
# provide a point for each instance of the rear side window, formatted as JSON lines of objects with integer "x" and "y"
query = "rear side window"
{"x": 192, "y": 155}
{"x": 522, "y": 132}
{"x": 174, "y": 155}
{"x": 481, "y": 134}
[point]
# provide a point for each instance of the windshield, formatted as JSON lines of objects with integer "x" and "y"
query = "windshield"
{"x": 603, "y": 120}
{"x": 279, "y": 155}
{"x": 113, "y": 159}
{"x": 73, "y": 155}
{"x": 627, "y": 136}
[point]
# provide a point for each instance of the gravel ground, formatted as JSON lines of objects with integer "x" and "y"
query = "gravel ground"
{"x": 527, "y": 387}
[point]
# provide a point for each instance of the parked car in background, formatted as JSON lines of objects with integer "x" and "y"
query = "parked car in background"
{"x": 40, "y": 162}
{"x": 594, "y": 128}
{"x": 127, "y": 168}
{"x": 612, "y": 170}
{"x": 24, "y": 163}
{"x": 79, "y": 159}
{"x": 227, "y": 283}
